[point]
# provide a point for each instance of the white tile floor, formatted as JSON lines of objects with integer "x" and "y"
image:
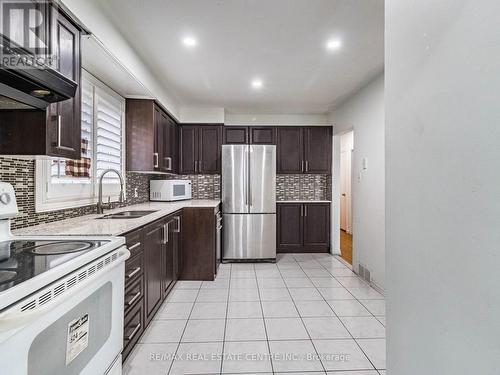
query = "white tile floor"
{"x": 306, "y": 314}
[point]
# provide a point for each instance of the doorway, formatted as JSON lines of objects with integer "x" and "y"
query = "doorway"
{"x": 346, "y": 150}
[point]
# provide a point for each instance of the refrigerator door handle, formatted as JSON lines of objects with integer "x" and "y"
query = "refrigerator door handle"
{"x": 249, "y": 176}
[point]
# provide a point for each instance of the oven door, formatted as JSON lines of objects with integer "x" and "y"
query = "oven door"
{"x": 74, "y": 326}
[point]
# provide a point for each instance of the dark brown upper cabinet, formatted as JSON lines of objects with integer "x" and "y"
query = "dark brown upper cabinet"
{"x": 259, "y": 135}
{"x": 303, "y": 227}
{"x": 290, "y": 150}
{"x": 262, "y": 135}
{"x": 304, "y": 150}
{"x": 55, "y": 131}
{"x": 200, "y": 149}
{"x": 151, "y": 138}
{"x": 235, "y": 135}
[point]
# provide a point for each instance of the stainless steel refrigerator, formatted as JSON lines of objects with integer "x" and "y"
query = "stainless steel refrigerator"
{"x": 249, "y": 202}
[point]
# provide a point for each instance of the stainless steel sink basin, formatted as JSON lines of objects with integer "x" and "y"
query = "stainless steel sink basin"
{"x": 127, "y": 215}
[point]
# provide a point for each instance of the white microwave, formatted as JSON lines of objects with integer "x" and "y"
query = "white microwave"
{"x": 169, "y": 190}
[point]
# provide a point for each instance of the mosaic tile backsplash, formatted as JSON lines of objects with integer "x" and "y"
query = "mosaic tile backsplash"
{"x": 295, "y": 187}
{"x": 21, "y": 174}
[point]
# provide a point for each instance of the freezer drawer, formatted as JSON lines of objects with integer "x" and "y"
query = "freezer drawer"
{"x": 250, "y": 236}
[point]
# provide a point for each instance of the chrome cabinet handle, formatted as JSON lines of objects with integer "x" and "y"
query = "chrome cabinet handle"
{"x": 178, "y": 227}
{"x": 136, "y": 329}
{"x": 196, "y": 166}
{"x": 155, "y": 158}
{"x": 169, "y": 160}
{"x": 59, "y": 131}
{"x": 301, "y": 210}
{"x": 200, "y": 165}
{"x": 307, "y": 166}
{"x": 133, "y": 299}
{"x": 302, "y": 166}
{"x": 134, "y": 272}
{"x": 134, "y": 246}
{"x": 165, "y": 234}
{"x": 305, "y": 210}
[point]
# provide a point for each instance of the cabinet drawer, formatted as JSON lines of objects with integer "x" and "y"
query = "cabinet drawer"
{"x": 134, "y": 243}
{"x": 133, "y": 328}
{"x": 133, "y": 294}
{"x": 134, "y": 268}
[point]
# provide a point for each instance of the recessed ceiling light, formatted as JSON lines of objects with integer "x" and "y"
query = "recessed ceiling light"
{"x": 257, "y": 83}
{"x": 334, "y": 44}
{"x": 189, "y": 41}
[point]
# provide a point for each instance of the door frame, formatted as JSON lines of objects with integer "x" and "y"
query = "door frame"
{"x": 335, "y": 207}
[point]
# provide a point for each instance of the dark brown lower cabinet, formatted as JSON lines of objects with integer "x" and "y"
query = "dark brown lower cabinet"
{"x": 303, "y": 227}
{"x": 200, "y": 244}
{"x": 150, "y": 273}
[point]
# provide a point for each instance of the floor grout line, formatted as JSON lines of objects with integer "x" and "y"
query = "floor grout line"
{"x": 225, "y": 320}
{"x": 359, "y": 346}
{"x": 303, "y": 324}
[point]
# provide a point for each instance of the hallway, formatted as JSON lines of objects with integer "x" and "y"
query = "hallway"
{"x": 346, "y": 246}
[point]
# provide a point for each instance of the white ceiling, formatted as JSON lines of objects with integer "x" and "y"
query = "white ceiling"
{"x": 280, "y": 41}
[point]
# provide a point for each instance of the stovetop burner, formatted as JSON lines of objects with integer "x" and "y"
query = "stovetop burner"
{"x": 63, "y": 247}
{"x": 21, "y": 260}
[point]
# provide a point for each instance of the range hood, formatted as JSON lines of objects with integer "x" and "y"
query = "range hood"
{"x": 34, "y": 87}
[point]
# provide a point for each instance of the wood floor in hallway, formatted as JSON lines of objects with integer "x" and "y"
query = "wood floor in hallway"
{"x": 346, "y": 246}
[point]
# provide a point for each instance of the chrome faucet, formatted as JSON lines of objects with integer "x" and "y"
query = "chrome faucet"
{"x": 100, "y": 205}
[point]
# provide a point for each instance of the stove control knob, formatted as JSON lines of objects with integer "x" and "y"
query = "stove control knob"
{"x": 5, "y": 198}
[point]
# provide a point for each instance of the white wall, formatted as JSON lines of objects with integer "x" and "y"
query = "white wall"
{"x": 364, "y": 114}
{"x": 277, "y": 119}
{"x": 213, "y": 115}
{"x": 443, "y": 186}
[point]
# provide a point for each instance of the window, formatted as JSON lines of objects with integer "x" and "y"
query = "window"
{"x": 64, "y": 183}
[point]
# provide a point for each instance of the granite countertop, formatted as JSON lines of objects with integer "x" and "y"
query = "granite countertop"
{"x": 93, "y": 226}
{"x": 304, "y": 201}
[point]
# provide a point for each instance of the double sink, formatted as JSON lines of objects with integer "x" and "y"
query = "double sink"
{"x": 133, "y": 214}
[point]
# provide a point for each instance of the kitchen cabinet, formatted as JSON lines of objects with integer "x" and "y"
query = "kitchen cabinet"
{"x": 155, "y": 264}
{"x": 55, "y": 131}
{"x": 152, "y": 138}
{"x": 303, "y": 227}
{"x": 154, "y": 235}
{"x": 259, "y": 135}
{"x": 235, "y": 135}
{"x": 201, "y": 253}
{"x": 262, "y": 135}
{"x": 200, "y": 149}
{"x": 304, "y": 150}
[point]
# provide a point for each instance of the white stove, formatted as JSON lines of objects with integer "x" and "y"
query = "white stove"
{"x": 61, "y": 300}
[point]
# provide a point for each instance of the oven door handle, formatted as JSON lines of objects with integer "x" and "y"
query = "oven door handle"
{"x": 10, "y": 320}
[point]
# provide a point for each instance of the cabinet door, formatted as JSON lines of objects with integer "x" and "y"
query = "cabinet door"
{"x": 210, "y": 142}
{"x": 168, "y": 256}
{"x": 63, "y": 118}
{"x": 170, "y": 144}
{"x": 159, "y": 132}
{"x": 290, "y": 227}
{"x": 235, "y": 135}
{"x": 318, "y": 150}
{"x": 290, "y": 150}
{"x": 188, "y": 150}
{"x": 176, "y": 238}
{"x": 316, "y": 227}
{"x": 265, "y": 135}
{"x": 153, "y": 253}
